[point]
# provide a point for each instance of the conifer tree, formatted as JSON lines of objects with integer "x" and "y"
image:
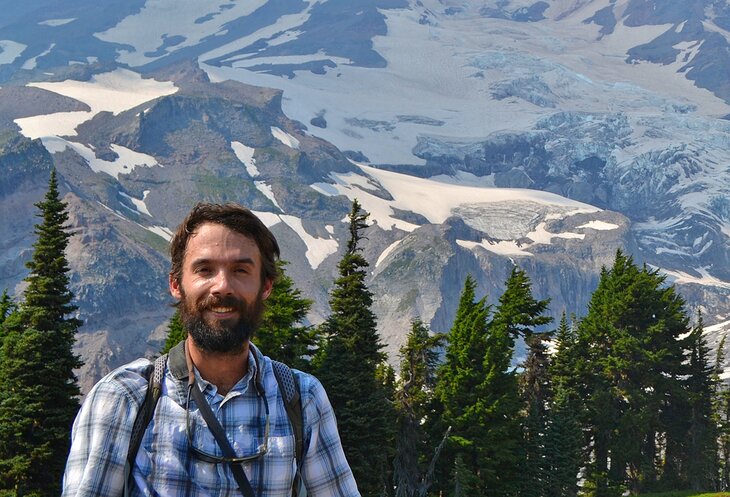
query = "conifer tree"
{"x": 564, "y": 440}
{"x": 38, "y": 389}
{"x": 721, "y": 418}
{"x": 175, "y": 332}
{"x": 518, "y": 315}
{"x": 7, "y": 306}
{"x": 536, "y": 392}
{"x": 282, "y": 336}
{"x": 348, "y": 364}
{"x": 702, "y": 466}
{"x": 459, "y": 378}
{"x": 631, "y": 339}
{"x": 414, "y": 408}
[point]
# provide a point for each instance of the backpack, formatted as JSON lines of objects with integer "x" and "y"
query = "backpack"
{"x": 288, "y": 385}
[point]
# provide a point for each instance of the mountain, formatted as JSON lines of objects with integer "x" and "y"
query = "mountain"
{"x": 478, "y": 134}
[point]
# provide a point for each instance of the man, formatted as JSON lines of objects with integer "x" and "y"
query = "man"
{"x": 223, "y": 268}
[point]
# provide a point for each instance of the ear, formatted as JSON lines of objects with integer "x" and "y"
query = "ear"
{"x": 175, "y": 287}
{"x": 268, "y": 287}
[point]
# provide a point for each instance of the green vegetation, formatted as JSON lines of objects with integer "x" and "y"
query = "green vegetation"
{"x": 282, "y": 336}
{"x": 623, "y": 401}
{"x": 349, "y": 364}
{"x": 38, "y": 388}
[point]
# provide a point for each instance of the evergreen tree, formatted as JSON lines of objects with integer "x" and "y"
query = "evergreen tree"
{"x": 282, "y": 336}
{"x": 702, "y": 466}
{"x": 7, "y": 307}
{"x": 721, "y": 418}
{"x": 518, "y": 315}
{"x": 478, "y": 388}
{"x": 458, "y": 380}
{"x": 536, "y": 393}
{"x": 349, "y": 364}
{"x": 564, "y": 440}
{"x": 414, "y": 408}
{"x": 38, "y": 389}
{"x": 631, "y": 339}
{"x": 175, "y": 332}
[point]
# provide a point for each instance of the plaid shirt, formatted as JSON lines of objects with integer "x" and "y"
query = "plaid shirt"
{"x": 166, "y": 467}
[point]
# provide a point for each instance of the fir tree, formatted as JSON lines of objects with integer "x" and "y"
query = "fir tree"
{"x": 631, "y": 341}
{"x": 564, "y": 440}
{"x": 7, "y": 307}
{"x": 518, "y": 315}
{"x": 536, "y": 393}
{"x": 721, "y": 418}
{"x": 175, "y": 332}
{"x": 702, "y": 464}
{"x": 414, "y": 404}
{"x": 459, "y": 378}
{"x": 38, "y": 389}
{"x": 282, "y": 336}
{"x": 348, "y": 364}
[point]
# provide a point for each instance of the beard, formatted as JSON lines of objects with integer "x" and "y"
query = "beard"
{"x": 227, "y": 336}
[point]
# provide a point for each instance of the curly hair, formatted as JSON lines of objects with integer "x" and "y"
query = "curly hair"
{"x": 234, "y": 217}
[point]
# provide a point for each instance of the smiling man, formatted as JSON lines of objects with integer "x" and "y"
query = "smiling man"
{"x": 220, "y": 427}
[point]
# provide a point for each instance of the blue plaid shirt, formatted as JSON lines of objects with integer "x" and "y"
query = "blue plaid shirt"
{"x": 166, "y": 467}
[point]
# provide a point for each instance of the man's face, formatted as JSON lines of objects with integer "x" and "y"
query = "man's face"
{"x": 221, "y": 293}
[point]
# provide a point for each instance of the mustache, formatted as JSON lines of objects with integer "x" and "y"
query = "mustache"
{"x": 215, "y": 301}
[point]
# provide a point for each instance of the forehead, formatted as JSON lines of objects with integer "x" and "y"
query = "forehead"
{"x": 217, "y": 242}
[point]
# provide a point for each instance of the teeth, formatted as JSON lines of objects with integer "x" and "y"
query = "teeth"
{"x": 221, "y": 309}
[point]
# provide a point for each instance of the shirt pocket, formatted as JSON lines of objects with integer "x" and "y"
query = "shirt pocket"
{"x": 277, "y": 467}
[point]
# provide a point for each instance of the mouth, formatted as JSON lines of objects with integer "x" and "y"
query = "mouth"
{"x": 222, "y": 310}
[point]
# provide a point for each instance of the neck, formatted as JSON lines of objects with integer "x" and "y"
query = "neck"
{"x": 221, "y": 369}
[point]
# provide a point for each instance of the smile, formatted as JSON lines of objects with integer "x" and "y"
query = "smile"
{"x": 222, "y": 310}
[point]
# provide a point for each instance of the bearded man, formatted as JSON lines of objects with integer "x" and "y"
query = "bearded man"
{"x": 220, "y": 426}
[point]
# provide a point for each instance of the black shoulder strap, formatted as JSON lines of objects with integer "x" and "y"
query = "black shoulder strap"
{"x": 144, "y": 415}
{"x": 289, "y": 387}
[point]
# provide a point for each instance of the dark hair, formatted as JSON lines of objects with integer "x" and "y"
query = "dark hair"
{"x": 234, "y": 217}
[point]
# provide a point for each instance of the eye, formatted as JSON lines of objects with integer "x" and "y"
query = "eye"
{"x": 202, "y": 270}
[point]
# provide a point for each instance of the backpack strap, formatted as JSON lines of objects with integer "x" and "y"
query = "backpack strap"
{"x": 144, "y": 415}
{"x": 289, "y": 387}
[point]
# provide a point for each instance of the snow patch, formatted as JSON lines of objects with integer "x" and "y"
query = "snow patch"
{"x": 434, "y": 200}
{"x": 159, "y": 19}
{"x": 114, "y": 91}
{"x": 502, "y": 247}
{"x": 705, "y": 278}
{"x": 52, "y": 125}
{"x": 245, "y": 155}
{"x": 285, "y": 138}
{"x": 124, "y": 164}
{"x": 318, "y": 249}
{"x": 268, "y": 218}
{"x": 30, "y": 64}
{"x": 10, "y": 50}
{"x": 56, "y": 22}
{"x": 599, "y": 226}
{"x": 387, "y": 252}
{"x": 161, "y": 231}
{"x": 139, "y": 204}
{"x": 268, "y": 192}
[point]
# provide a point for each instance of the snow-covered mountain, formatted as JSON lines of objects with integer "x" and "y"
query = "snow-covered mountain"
{"x": 477, "y": 134}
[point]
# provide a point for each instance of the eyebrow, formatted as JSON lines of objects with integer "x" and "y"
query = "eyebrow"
{"x": 242, "y": 260}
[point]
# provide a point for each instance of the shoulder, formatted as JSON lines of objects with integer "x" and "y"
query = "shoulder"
{"x": 128, "y": 383}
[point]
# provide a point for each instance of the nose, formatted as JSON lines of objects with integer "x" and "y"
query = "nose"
{"x": 221, "y": 283}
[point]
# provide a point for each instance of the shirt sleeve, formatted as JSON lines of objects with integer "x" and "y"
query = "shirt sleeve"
{"x": 100, "y": 438}
{"x": 325, "y": 470}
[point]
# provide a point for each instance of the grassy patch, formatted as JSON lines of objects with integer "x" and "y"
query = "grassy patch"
{"x": 686, "y": 493}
